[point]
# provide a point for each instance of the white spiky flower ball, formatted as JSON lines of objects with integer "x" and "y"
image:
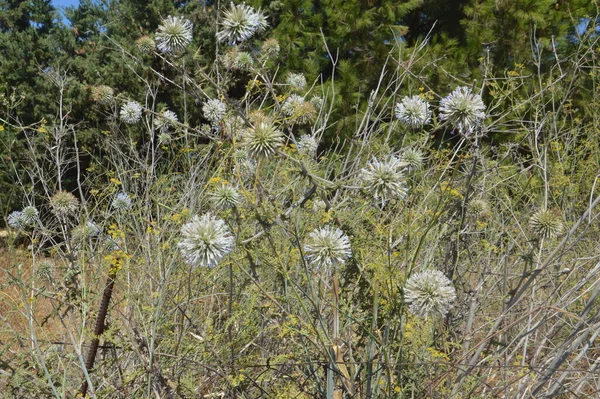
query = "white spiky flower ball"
{"x": 102, "y": 94}
{"x": 122, "y": 202}
{"x": 164, "y": 138}
{"x": 214, "y": 110}
{"x": 262, "y": 140}
{"x": 317, "y": 102}
{"x": 131, "y": 112}
{"x": 413, "y": 111}
{"x": 165, "y": 120}
{"x": 385, "y": 180}
{"x": 327, "y": 247}
{"x": 145, "y": 45}
{"x": 413, "y": 158}
{"x": 64, "y": 203}
{"x": 270, "y": 48}
{"x": 30, "y": 215}
{"x": 88, "y": 230}
{"x": 206, "y": 240}
{"x": 174, "y": 34}
{"x": 15, "y": 220}
{"x": 225, "y": 196}
{"x": 239, "y": 23}
{"x": 296, "y": 81}
{"x": 308, "y": 145}
{"x": 291, "y": 105}
{"x": 546, "y": 223}
{"x": 479, "y": 207}
{"x": 463, "y": 109}
{"x": 429, "y": 293}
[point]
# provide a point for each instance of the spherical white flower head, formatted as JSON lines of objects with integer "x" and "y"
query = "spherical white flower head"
{"x": 206, "y": 241}
{"x": 165, "y": 120}
{"x": 131, "y": 112}
{"x": 292, "y": 104}
{"x": 463, "y": 109}
{"x": 239, "y": 23}
{"x": 30, "y": 215}
{"x": 385, "y": 180}
{"x": 122, "y": 202}
{"x": 262, "y": 140}
{"x": 429, "y": 293}
{"x": 225, "y": 196}
{"x": 214, "y": 110}
{"x": 296, "y": 81}
{"x": 414, "y": 158}
{"x": 174, "y": 34}
{"x": 546, "y": 223}
{"x": 103, "y": 94}
{"x": 145, "y": 44}
{"x": 479, "y": 207}
{"x": 88, "y": 230}
{"x": 15, "y": 220}
{"x": 164, "y": 138}
{"x": 327, "y": 247}
{"x": 413, "y": 111}
{"x": 308, "y": 145}
{"x": 64, "y": 203}
{"x": 271, "y": 47}
{"x": 317, "y": 102}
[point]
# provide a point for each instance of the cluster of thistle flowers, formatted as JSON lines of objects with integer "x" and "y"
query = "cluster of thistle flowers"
{"x": 23, "y": 219}
{"x": 463, "y": 109}
{"x": 296, "y": 108}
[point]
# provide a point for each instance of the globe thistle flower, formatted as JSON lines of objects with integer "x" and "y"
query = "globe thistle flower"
{"x": 413, "y": 111}
{"x": 29, "y": 215}
{"x": 319, "y": 206}
{"x": 131, "y": 112}
{"x": 102, "y": 94}
{"x": 165, "y": 120}
{"x": 239, "y": 23}
{"x": 296, "y": 81}
{"x": 317, "y": 102}
{"x": 262, "y": 140}
{"x": 384, "y": 180}
{"x": 463, "y": 109}
{"x": 206, "y": 241}
{"x": 122, "y": 202}
{"x": 225, "y": 196}
{"x": 413, "y": 158}
{"x": 270, "y": 47}
{"x": 479, "y": 207}
{"x": 291, "y": 104}
{"x": 15, "y": 220}
{"x": 214, "y": 110}
{"x": 327, "y": 247}
{"x": 174, "y": 34}
{"x": 88, "y": 230}
{"x": 243, "y": 61}
{"x": 235, "y": 126}
{"x": 546, "y": 223}
{"x": 308, "y": 145}
{"x": 145, "y": 45}
{"x": 245, "y": 168}
{"x": 164, "y": 138}
{"x": 64, "y": 203}
{"x": 304, "y": 113}
{"x": 429, "y": 293}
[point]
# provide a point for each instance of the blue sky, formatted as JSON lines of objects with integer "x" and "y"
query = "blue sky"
{"x": 64, "y": 3}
